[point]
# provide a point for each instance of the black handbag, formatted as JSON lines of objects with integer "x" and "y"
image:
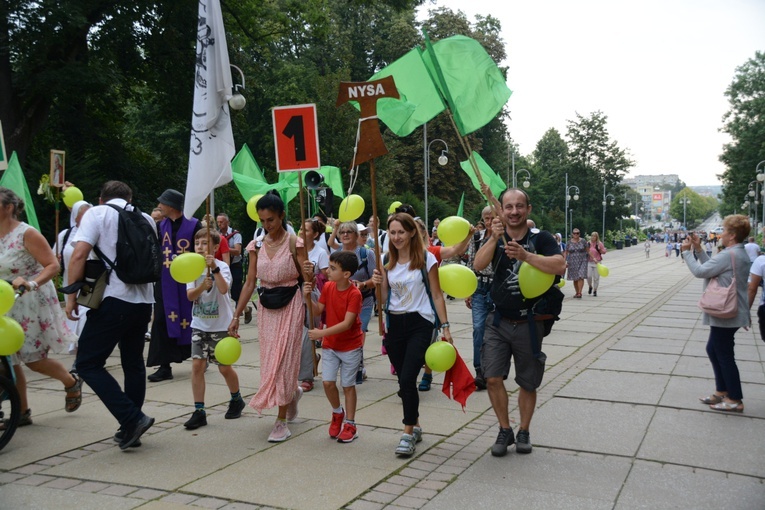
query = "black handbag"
{"x": 276, "y": 297}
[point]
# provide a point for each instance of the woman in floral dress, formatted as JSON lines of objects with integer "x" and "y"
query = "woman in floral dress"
{"x": 280, "y": 331}
{"x": 576, "y": 261}
{"x": 27, "y": 260}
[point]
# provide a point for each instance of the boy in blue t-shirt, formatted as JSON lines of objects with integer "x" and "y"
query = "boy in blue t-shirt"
{"x": 211, "y": 314}
{"x": 342, "y": 340}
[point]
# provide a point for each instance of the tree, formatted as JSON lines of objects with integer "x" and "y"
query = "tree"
{"x": 745, "y": 123}
{"x": 595, "y": 160}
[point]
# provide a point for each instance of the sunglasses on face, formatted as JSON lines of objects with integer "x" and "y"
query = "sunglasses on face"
{"x": 576, "y": 233}
{"x": 346, "y": 232}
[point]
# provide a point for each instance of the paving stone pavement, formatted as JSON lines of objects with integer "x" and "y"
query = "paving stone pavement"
{"x": 618, "y": 425}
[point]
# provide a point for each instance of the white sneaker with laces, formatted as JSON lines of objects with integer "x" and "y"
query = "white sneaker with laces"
{"x": 279, "y": 433}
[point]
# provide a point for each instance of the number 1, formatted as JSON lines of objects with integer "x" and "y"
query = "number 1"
{"x": 295, "y": 130}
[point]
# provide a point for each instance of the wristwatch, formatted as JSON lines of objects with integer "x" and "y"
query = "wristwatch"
{"x": 215, "y": 271}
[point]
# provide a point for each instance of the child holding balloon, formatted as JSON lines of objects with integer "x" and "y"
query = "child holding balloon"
{"x": 342, "y": 340}
{"x": 211, "y": 315}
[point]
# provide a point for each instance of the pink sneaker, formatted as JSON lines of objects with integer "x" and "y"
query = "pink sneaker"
{"x": 292, "y": 408}
{"x": 279, "y": 433}
{"x": 337, "y": 424}
{"x": 348, "y": 434}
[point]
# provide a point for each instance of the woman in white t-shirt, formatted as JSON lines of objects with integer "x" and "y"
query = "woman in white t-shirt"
{"x": 319, "y": 262}
{"x": 411, "y": 316}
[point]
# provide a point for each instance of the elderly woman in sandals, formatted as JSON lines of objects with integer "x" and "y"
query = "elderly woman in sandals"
{"x": 729, "y": 263}
{"x": 27, "y": 261}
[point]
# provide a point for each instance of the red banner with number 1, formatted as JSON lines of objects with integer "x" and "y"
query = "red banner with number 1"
{"x": 296, "y": 138}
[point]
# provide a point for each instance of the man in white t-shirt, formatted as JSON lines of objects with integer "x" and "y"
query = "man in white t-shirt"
{"x": 752, "y": 249}
{"x": 122, "y": 319}
{"x": 756, "y": 277}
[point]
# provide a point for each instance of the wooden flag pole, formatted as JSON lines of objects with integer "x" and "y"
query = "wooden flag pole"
{"x": 58, "y": 207}
{"x": 378, "y": 256}
{"x": 313, "y": 279}
{"x": 493, "y": 202}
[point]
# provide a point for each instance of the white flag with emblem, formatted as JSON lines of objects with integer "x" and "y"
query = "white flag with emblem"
{"x": 212, "y": 142}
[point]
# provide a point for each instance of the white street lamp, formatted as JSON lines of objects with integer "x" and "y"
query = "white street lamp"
{"x": 237, "y": 101}
{"x": 526, "y": 183}
{"x": 442, "y": 160}
{"x": 685, "y": 201}
{"x": 605, "y": 199}
{"x": 568, "y": 199}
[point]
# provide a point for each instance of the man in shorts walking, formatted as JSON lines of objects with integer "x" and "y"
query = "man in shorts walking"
{"x": 509, "y": 332}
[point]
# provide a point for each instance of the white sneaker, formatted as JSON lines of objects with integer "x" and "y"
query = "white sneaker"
{"x": 279, "y": 433}
{"x": 292, "y": 408}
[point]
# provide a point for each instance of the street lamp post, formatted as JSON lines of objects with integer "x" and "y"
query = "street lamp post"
{"x": 754, "y": 196}
{"x": 685, "y": 201}
{"x": 761, "y": 178}
{"x": 568, "y": 199}
{"x": 526, "y": 183}
{"x": 442, "y": 160}
{"x": 605, "y": 199}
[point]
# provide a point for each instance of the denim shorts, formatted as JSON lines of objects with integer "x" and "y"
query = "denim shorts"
{"x": 345, "y": 362}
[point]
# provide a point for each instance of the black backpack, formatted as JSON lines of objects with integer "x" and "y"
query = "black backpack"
{"x": 139, "y": 257}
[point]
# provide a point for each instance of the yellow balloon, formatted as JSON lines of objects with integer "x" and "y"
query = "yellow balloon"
{"x": 393, "y": 207}
{"x": 252, "y": 211}
{"x": 7, "y": 297}
{"x": 453, "y": 230}
{"x": 228, "y": 350}
{"x": 602, "y": 270}
{"x": 440, "y": 356}
{"x": 11, "y": 336}
{"x": 71, "y": 196}
{"x": 187, "y": 267}
{"x": 351, "y": 208}
{"x": 457, "y": 280}
{"x": 533, "y": 282}
{"x": 562, "y": 283}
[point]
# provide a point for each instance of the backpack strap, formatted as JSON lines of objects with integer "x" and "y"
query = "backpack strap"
{"x": 63, "y": 245}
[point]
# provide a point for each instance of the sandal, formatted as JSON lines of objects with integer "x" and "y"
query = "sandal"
{"x": 73, "y": 403}
{"x": 307, "y": 385}
{"x": 736, "y": 407}
{"x": 711, "y": 399}
{"x": 24, "y": 420}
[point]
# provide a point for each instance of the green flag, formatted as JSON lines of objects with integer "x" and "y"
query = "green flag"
{"x": 468, "y": 78}
{"x": 461, "y": 208}
{"x": 289, "y": 182}
{"x": 244, "y": 164}
{"x": 420, "y": 100}
{"x": 248, "y": 178}
{"x": 489, "y": 176}
{"x": 13, "y": 179}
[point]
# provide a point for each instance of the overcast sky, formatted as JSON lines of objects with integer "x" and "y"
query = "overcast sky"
{"x": 657, "y": 68}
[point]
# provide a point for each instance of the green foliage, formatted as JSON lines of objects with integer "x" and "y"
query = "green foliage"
{"x": 745, "y": 123}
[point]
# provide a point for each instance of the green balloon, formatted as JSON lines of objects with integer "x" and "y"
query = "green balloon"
{"x": 533, "y": 282}
{"x": 228, "y": 350}
{"x": 187, "y": 267}
{"x": 440, "y": 356}
{"x": 11, "y": 336}
{"x": 457, "y": 280}
{"x": 7, "y": 297}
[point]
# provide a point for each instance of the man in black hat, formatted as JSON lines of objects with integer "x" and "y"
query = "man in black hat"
{"x": 171, "y": 329}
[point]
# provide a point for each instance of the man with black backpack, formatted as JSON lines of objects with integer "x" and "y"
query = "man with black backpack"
{"x": 517, "y": 325}
{"x": 123, "y": 315}
{"x": 171, "y": 329}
